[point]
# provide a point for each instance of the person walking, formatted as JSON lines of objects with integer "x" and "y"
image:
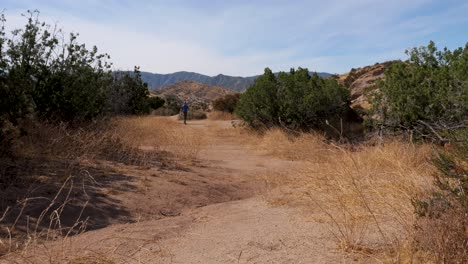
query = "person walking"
{"x": 184, "y": 110}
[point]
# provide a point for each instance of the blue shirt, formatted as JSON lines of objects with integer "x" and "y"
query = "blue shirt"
{"x": 184, "y": 108}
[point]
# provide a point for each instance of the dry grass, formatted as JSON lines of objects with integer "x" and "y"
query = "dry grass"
{"x": 161, "y": 134}
{"x": 444, "y": 236}
{"x": 364, "y": 193}
{"x": 219, "y": 115}
{"x": 276, "y": 142}
{"x": 57, "y": 165}
{"x": 47, "y": 226}
{"x": 73, "y": 144}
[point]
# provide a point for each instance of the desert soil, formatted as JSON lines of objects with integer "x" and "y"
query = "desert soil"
{"x": 216, "y": 209}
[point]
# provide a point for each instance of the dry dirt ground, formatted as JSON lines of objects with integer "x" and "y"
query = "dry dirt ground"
{"x": 215, "y": 209}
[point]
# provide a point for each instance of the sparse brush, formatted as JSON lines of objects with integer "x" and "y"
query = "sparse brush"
{"x": 219, "y": 115}
{"x": 301, "y": 146}
{"x": 161, "y": 134}
{"x": 47, "y": 226}
{"x": 367, "y": 193}
{"x": 442, "y": 223}
{"x": 62, "y": 160}
{"x": 364, "y": 192}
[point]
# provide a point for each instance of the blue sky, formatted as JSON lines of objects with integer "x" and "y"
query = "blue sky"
{"x": 243, "y": 37}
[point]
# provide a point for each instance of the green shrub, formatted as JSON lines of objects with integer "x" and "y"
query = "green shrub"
{"x": 295, "y": 100}
{"x": 155, "y": 102}
{"x": 258, "y": 104}
{"x": 128, "y": 94}
{"x": 173, "y": 104}
{"x": 227, "y": 103}
{"x": 45, "y": 77}
{"x": 52, "y": 78}
{"x": 427, "y": 94}
{"x": 442, "y": 215}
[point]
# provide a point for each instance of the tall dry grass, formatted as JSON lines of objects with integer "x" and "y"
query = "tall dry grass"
{"x": 64, "y": 158}
{"x": 133, "y": 140}
{"x": 219, "y": 115}
{"x": 161, "y": 134}
{"x": 364, "y": 193}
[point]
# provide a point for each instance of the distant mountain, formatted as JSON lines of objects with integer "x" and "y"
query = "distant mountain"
{"x": 234, "y": 83}
{"x": 192, "y": 91}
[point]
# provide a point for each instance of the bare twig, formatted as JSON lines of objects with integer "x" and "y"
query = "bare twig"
{"x": 441, "y": 139}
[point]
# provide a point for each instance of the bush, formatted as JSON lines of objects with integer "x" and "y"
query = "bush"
{"x": 258, "y": 104}
{"x": 42, "y": 76}
{"x": 227, "y": 103}
{"x": 428, "y": 94}
{"x": 442, "y": 215}
{"x": 52, "y": 78}
{"x": 295, "y": 100}
{"x": 128, "y": 94}
{"x": 173, "y": 103}
{"x": 155, "y": 102}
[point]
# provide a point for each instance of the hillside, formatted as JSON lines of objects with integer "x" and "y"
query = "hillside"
{"x": 234, "y": 83}
{"x": 361, "y": 80}
{"x": 193, "y": 91}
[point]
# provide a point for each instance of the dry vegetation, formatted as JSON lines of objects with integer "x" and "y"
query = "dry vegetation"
{"x": 219, "y": 115}
{"x": 192, "y": 91}
{"x": 160, "y": 134}
{"x": 58, "y": 173}
{"x": 364, "y": 193}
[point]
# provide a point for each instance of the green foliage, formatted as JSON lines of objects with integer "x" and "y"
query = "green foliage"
{"x": 295, "y": 100}
{"x": 429, "y": 91}
{"x": 443, "y": 213}
{"x": 451, "y": 181}
{"x": 173, "y": 104}
{"x": 155, "y": 102}
{"x": 453, "y": 174}
{"x": 227, "y": 103}
{"x": 59, "y": 80}
{"x": 14, "y": 100}
{"x": 44, "y": 76}
{"x": 128, "y": 94}
{"x": 258, "y": 104}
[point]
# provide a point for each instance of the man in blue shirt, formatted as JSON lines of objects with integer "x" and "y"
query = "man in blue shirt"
{"x": 184, "y": 110}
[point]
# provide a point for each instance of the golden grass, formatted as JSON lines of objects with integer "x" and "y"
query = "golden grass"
{"x": 293, "y": 147}
{"x": 64, "y": 152}
{"x": 219, "y": 115}
{"x": 161, "y": 134}
{"x": 364, "y": 193}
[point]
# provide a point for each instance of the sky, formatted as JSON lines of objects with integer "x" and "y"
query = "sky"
{"x": 242, "y": 37}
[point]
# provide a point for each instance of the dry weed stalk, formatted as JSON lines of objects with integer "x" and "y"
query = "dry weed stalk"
{"x": 36, "y": 233}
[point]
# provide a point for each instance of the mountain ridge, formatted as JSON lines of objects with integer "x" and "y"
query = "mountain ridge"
{"x": 192, "y": 91}
{"x": 234, "y": 83}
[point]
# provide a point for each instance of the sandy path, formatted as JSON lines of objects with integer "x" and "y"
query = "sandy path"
{"x": 231, "y": 221}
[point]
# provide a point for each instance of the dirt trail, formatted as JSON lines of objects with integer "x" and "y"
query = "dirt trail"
{"x": 210, "y": 211}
